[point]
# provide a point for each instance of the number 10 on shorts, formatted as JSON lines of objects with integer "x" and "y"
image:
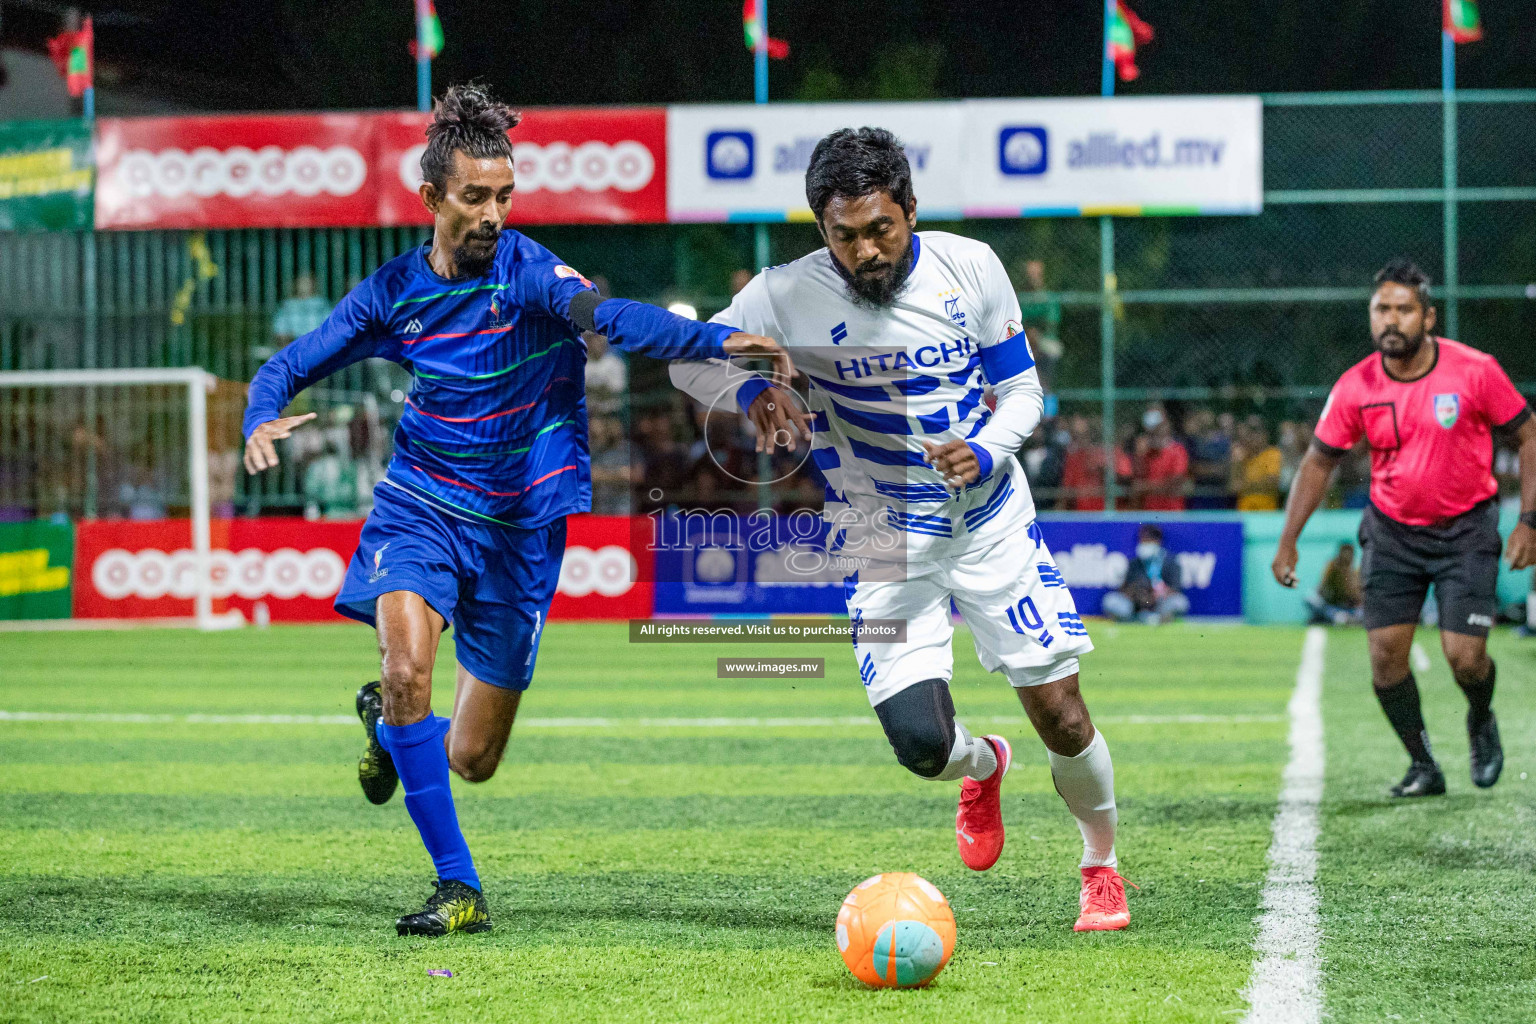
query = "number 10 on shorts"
{"x": 1025, "y": 618}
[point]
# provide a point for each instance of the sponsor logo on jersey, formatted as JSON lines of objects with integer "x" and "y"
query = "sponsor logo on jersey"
{"x": 839, "y": 333}
{"x": 1023, "y": 150}
{"x": 925, "y": 358}
{"x": 729, "y": 155}
{"x": 379, "y": 572}
{"x": 1447, "y": 409}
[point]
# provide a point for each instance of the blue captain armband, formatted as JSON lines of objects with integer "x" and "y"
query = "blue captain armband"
{"x": 1008, "y": 358}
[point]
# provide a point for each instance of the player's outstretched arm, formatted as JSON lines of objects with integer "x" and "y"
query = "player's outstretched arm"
{"x": 1307, "y": 492}
{"x": 1020, "y": 404}
{"x": 346, "y": 337}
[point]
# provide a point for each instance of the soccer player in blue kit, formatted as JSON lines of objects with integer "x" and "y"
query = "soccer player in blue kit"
{"x": 468, "y": 526}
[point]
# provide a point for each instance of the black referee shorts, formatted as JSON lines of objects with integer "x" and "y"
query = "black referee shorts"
{"x": 1460, "y": 557}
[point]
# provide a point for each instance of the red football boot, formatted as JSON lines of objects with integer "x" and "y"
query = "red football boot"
{"x": 1102, "y": 901}
{"x": 979, "y": 821}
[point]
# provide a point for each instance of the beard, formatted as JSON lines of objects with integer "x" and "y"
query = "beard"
{"x": 471, "y": 260}
{"x": 877, "y": 290}
{"x": 1398, "y": 345}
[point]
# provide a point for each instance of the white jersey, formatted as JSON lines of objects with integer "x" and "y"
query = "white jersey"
{"x": 884, "y": 380}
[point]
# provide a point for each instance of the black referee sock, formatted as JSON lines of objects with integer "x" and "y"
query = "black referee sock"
{"x": 1401, "y": 703}
{"x": 1480, "y": 697}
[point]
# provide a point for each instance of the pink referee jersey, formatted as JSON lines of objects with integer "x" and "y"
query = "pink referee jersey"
{"x": 1431, "y": 438}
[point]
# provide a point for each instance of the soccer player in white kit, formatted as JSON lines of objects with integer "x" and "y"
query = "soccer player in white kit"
{"x": 898, "y": 332}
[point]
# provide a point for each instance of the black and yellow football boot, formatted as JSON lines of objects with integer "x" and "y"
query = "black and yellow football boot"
{"x": 454, "y": 907}
{"x": 376, "y": 770}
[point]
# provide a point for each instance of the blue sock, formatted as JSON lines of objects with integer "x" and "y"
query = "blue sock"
{"x": 419, "y": 757}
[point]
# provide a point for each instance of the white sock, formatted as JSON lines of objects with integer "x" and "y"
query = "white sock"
{"x": 971, "y": 757}
{"x": 1530, "y": 610}
{"x": 1087, "y": 783}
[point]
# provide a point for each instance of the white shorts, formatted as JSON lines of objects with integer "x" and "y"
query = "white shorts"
{"x": 1010, "y": 594}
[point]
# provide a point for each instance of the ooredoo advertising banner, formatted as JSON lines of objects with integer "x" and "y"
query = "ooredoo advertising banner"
{"x": 130, "y": 569}
{"x": 573, "y": 166}
{"x": 1126, "y": 156}
{"x": 747, "y": 162}
{"x": 298, "y": 170}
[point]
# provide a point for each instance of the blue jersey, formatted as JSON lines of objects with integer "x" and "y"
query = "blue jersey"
{"x": 495, "y": 426}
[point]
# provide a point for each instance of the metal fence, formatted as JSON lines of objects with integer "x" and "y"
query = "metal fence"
{"x": 1249, "y": 316}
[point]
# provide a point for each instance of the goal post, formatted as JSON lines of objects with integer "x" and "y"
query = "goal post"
{"x": 19, "y": 427}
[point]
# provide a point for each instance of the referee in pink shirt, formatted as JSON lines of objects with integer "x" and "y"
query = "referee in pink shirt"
{"x": 1431, "y": 409}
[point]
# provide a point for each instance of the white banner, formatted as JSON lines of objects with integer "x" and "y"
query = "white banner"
{"x": 1128, "y": 156}
{"x": 747, "y": 162}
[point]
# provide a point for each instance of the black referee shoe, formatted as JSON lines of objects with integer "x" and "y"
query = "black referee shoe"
{"x": 1487, "y": 751}
{"x": 1423, "y": 779}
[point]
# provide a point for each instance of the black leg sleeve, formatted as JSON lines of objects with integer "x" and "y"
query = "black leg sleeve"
{"x": 919, "y": 722}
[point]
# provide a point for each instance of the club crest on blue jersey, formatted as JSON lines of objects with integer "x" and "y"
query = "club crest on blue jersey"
{"x": 1447, "y": 409}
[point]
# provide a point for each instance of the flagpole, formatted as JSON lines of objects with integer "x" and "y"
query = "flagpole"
{"x": 423, "y": 59}
{"x": 1106, "y": 299}
{"x": 1448, "y": 160}
{"x": 760, "y": 229}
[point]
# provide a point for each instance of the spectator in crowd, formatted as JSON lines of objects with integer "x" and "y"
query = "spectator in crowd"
{"x": 1256, "y": 468}
{"x": 1210, "y": 452}
{"x": 1338, "y": 598}
{"x": 1161, "y": 475}
{"x": 330, "y": 484}
{"x": 612, "y": 472}
{"x": 1295, "y": 438}
{"x": 1041, "y": 319}
{"x": 303, "y": 311}
{"x": 740, "y": 278}
{"x": 1082, "y": 470}
{"x": 661, "y": 459}
{"x": 1153, "y": 588}
{"x": 1044, "y": 456}
{"x": 607, "y": 375}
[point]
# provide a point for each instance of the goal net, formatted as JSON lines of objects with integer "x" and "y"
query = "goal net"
{"x": 122, "y": 444}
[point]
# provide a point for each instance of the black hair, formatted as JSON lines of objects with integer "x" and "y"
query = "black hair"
{"x": 1401, "y": 270}
{"x": 1152, "y": 531}
{"x": 466, "y": 118}
{"x": 854, "y": 162}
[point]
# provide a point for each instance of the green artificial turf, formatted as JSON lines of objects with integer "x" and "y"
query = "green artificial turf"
{"x": 643, "y": 870}
{"x": 1426, "y": 904}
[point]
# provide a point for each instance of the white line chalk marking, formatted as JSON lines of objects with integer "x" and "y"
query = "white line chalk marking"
{"x": 1287, "y": 986}
{"x": 134, "y": 718}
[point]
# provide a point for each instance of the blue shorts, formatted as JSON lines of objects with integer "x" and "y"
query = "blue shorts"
{"x": 493, "y": 583}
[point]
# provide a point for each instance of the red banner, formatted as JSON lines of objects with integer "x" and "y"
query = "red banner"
{"x": 606, "y": 165}
{"x": 141, "y": 570}
{"x": 574, "y": 166}
{"x": 598, "y": 579}
{"x": 128, "y": 569}
{"x": 238, "y": 171}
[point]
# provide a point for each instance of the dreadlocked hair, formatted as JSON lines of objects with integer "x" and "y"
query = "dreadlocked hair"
{"x": 468, "y": 119}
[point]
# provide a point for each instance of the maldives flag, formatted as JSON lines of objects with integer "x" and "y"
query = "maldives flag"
{"x": 1126, "y": 32}
{"x": 73, "y": 54}
{"x": 778, "y": 49}
{"x": 427, "y": 13}
{"x": 1461, "y": 20}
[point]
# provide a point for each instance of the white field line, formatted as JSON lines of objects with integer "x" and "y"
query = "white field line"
{"x": 1287, "y": 986}
{"x": 132, "y": 718}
